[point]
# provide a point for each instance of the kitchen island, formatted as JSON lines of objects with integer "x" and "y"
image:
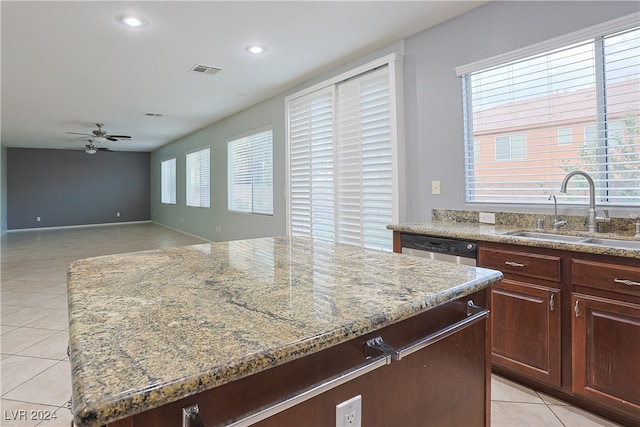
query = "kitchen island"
{"x": 158, "y": 328}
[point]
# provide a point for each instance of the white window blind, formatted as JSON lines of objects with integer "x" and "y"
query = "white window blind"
{"x": 198, "y": 175}
{"x": 168, "y": 181}
{"x": 531, "y": 121}
{"x": 340, "y": 162}
{"x": 250, "y": 173}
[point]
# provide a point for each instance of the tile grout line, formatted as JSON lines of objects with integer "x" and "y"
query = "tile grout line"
{"x": 550, "y": 408}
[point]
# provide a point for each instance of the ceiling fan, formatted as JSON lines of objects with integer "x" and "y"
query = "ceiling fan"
{"x": 100, "y": 135}
{"x": 97, "y": 136}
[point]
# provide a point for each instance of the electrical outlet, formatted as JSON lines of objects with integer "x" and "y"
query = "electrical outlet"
{"x": 218, "y": 229}
{"x": 435, "y": 187}
{"x": 38, "y": 218}
{"x": 349, "y": 412}
{"x": 487, "y": 218}
{"x": 118, "y": 214}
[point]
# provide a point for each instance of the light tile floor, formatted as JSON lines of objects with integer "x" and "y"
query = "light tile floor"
{"x": 35, "y": 372}
{"x": 514, "y": 405}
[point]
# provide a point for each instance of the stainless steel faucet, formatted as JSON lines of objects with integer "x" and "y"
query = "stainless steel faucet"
{"x": 592, "y": 218}
{"x": 557, "y": 223}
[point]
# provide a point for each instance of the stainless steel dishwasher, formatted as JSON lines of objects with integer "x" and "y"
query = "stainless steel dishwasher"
{"x": 450, "y": 250}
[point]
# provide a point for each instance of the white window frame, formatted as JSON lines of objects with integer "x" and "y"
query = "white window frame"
{"x": 168, "y": 189}
{"x": 394, "y": 63}
{"x": 252, "y": 207}
{"x": 594, "y": 32}
{"x": 204, "y": 188}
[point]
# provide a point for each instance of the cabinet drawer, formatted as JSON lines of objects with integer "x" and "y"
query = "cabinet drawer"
{"x": 606, "y": 276}
{"x": 521, "y": 263}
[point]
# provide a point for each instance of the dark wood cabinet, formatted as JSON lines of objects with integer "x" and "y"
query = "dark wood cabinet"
{"x": 526, "y": 329}
{"x": 568, "y": 324}
{"x": 606, "y": 346}
{"x": 606, "y": 334}
{"x": 526, "y": 312}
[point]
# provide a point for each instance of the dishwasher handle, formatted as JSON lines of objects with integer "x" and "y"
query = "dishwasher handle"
{"x": 474, "y": 314}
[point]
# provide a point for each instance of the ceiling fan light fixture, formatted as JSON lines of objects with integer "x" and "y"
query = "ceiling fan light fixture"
{"x": 90, "y": 150}
{"x": 133, "y": 21}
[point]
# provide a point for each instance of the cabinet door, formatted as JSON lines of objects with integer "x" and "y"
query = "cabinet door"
{"x": 606, "y": 352}
{"x": 525, "y": 321}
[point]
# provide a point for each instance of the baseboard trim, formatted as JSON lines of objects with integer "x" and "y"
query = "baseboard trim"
{"x": 181, "y": 231}
{"x": 62, "y": 227}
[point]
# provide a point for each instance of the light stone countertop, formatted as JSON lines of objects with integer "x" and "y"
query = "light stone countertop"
{"x": 497, "y": 233}
{"x": 148, "y": 328}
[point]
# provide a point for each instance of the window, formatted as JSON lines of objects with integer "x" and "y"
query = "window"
{"x": 511, "y": 147}
{"x": 250, "y": 173}
{"x": 198, "y": 183}
{"x": 564, "y": 136}
{"x": 168, "y": 181}
{"x": 342, "y": 184}
{"x": 519, "y": 117}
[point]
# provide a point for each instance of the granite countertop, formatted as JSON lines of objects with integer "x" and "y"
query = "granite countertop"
{"x": 148, "y": 328}
{"x": 499, "y": 233}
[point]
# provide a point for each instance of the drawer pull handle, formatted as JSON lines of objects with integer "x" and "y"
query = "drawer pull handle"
{"x": 577, "y": 308}
{"x": 514, "y": 264}
{"x": 385, "y": 353}
{"x": 310, "y": 392}
{"x": 552, "y": 302}
{"x": 627, "y": 282}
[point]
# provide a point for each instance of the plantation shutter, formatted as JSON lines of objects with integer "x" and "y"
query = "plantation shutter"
{"x": 364, "y": 161}
{"x": 340, "y": 162}
{"x": 198, "y": 174}
{"x": 311, "y": 165}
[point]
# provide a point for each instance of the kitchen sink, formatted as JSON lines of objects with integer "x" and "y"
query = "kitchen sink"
{"x": 614, "y": 243}
{"x": 547, "y": 236}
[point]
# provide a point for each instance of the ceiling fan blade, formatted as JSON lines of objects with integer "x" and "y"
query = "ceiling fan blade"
{"x": 78, "y": 133}
{"x": 119, "y": 136}
{"x": 104, "y": 149}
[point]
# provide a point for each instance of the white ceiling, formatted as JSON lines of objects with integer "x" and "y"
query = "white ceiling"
{"x": 68, "y": 65}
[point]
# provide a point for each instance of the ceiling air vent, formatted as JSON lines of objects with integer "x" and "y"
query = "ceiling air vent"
{"x": 205, "y": 69}
{"x": 153, "y": 114}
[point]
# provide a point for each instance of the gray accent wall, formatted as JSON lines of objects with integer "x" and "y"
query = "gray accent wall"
{"x": 68, "y": 187}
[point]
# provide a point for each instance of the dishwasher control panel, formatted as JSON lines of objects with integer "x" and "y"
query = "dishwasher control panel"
{"x": 453, "y": 247}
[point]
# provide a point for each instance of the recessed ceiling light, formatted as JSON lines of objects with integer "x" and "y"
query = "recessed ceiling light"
{"x": 256, "y": 49}
{"x": 133, "y": 21}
